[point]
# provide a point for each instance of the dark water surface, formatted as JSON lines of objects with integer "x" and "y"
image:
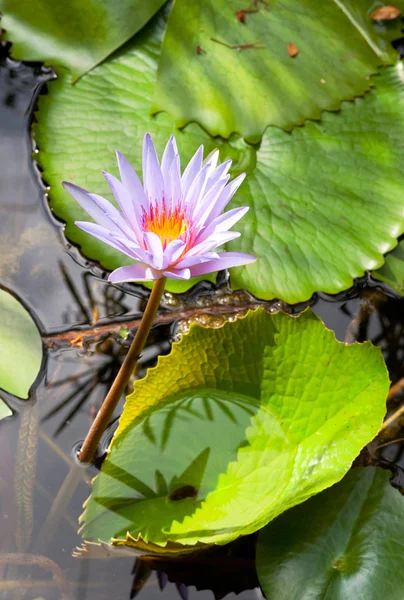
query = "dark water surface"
{"x": 63, "y": 292}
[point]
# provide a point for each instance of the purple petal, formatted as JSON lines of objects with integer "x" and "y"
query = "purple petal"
{"x": 221, "y": 171}
{"x": 217, "y": 173}
{"x": 124, "y": 199}
{"x": 227, "y": 260}
{"x": 173, "y": 251}
{"x": 118, "y": 242}
{"x": 152, "y": 176}
{"x": 212, "y": 159}
{"x": 170, "y": 152}
{"x": 196, "y": 190}
{"x": 173, "y": 190}
{"x": 190, "y": 261}
{"x": 205, "y": 206}
{"x": 226, "y": 196}
{"x": 155, "y": 247}
{"x": 99, "y": 209}
{"x": 212, "y": 242}
{"x": 192, "y": 170}
{"x": 138, "y": 272}
{"x": 178, "y": 274}
{"x": 132, "y": 182}
{"x": 225, "y": 221}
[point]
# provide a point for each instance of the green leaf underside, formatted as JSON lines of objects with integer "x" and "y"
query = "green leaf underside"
{"x": 392, "y": 271}
{"x": 77, "y": 34}
{"x": 227, "y": 91}
{"x": 242, "y": 430}
{"x": 325, "y": 201}
{"x": 20, "y": 347}
{"x": 346, "y": 543}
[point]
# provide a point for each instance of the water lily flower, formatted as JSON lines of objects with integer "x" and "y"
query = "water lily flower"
{"x": 172, "y": 224}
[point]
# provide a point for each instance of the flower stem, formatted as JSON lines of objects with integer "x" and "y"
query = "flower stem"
{"x": 105, "y": 413}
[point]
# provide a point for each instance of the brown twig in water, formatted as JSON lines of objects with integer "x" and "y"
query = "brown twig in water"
{"x": 391, "y": 419}
{"x": 162, "y": 319}
{"x": 395, "y": 389}
{"x": 239, "y": 47}
{"x": 389, "y": 443}
{"x": 369, "y": 302}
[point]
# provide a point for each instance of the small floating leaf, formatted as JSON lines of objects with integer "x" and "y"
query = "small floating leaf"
{"x": 247, "y": 420}
{"x": 344, "y": 544}
{"x": 20, "y": 349}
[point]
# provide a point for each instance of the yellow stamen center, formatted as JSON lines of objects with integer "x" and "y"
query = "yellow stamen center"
{"x": 167, "y": 225}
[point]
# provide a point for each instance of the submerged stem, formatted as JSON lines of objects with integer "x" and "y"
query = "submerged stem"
{"x": 118, "y": 387}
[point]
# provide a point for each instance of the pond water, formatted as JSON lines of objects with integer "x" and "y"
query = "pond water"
{"x": 41, "y": 492}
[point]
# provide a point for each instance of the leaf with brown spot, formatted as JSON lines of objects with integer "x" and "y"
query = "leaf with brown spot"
{"x": 385, "y": 13}
{"x": 292, "y": 50}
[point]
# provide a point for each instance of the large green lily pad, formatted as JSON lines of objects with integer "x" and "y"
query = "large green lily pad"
{"x": 235, "y": 426}
{"x": 228, "y": 90}
{"x": 325, "y": 201}
{"x": 20, "y": 347}
{"x": 392, "y": 271}
{"x": 346, "y": 543}
{"x": 77, "y": 34}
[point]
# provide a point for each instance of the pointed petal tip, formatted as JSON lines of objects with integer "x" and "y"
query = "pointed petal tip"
{"x": 73, "y": 189}
{"x": 70, "y": 186}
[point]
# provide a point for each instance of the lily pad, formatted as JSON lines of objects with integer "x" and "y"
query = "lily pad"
{"x": 21, "y": 347}
{"x": 255, "y": 82}
{"x": 235, "y": 426}
{"x": 345, "y": 543}
{"x": 327, "y": 199}
{"x": 392, "y": 271}
{"x": 77, "y": 34}
{"x": 80, "y": 127}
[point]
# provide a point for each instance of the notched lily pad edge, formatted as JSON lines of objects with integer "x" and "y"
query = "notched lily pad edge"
{"x": 72, "y": 236}
{"x": 169, "y": 546}
{"x": 7, "y": 396}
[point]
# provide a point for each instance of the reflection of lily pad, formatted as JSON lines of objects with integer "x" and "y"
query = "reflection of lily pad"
{"x": 235, "y": 426}
{"x": 344, "y": 544}
{"x": 392, "y": 272}
{"x": 21, "y": 347}
{"x": 229, "y": 91}
{"x": 77, "y": 34}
